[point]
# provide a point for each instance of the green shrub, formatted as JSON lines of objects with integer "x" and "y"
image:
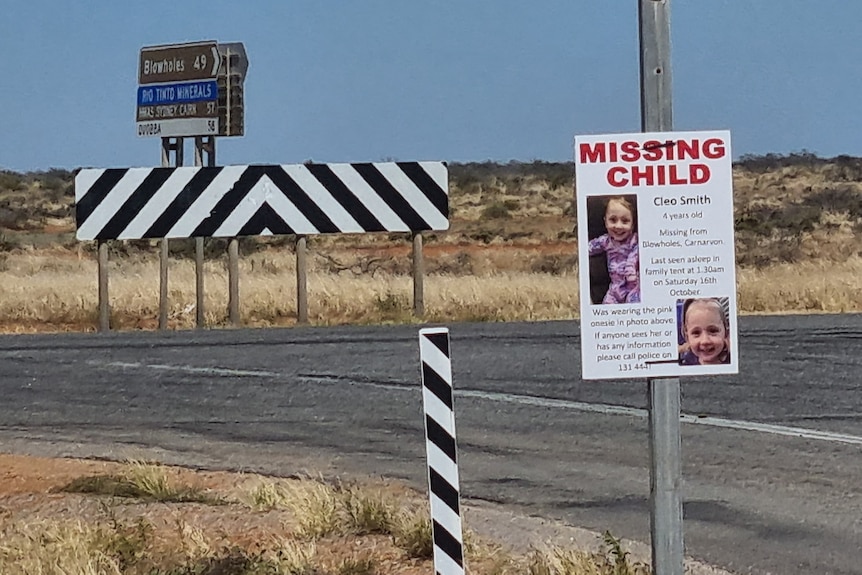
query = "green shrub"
{"x": 11, "y": 181}
{"x": 496, "y": 211}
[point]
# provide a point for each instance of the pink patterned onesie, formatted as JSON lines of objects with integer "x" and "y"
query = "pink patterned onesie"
{"x": 623, "y": 261}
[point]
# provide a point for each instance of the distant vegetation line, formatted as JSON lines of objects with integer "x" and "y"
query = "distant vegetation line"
{"x": 10, "y": 179}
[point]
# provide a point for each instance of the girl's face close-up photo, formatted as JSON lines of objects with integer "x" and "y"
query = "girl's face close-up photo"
{"x": 619, "y": 221}
{"x": 705, "y": 332}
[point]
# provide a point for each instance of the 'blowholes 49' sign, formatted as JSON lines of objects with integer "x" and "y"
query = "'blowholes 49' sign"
{"x": 656, "y": 251}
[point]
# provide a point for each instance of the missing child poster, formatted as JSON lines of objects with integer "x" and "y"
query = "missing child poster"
{"x": 656, "y": 254}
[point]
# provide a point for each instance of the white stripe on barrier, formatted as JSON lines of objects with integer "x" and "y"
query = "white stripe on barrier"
{"x": 438, "y": 411}
{"x": 436, "y": 360}
{"x": 443, "y": 564}
{"x": 445, "y": 516}
{"x": 154, "y": 208}
{"x": 366, "y": 194}
{"x": 328, "y": 204}
{"x": 117, "y": 196}
{"x": 442, "y": 464}
{"x": 414, "y": 196}
{"x": 203, "y": 206}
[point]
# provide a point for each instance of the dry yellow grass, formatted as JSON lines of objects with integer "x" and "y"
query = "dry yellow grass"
{"x": 56, "y": 292}
{"x": 806, "y": 287}
{"x": 247, "y": 525}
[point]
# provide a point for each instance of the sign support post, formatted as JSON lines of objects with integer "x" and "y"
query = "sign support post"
{"x": 104, "y": 301}
{"x": 666, "y": 530}
{"x": 202, "y": 145}
{"x": 418, "y": 277}
{"x": 301, "y": 280}
{"x": 233, "y": 281}
{"x": 167, "y": 147}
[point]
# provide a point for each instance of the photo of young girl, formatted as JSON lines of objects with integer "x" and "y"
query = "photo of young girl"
{"x": 617, "y": 240}
{"x": 705, "y": 331}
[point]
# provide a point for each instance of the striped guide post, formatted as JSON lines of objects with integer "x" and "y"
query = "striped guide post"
{"x": 441, "y": 451}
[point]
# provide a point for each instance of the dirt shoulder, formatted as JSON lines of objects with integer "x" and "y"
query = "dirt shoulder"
{"x": 30, "y": 492}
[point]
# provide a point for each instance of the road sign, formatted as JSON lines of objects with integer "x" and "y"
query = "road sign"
{"x": 178, "y": 127}
{"x": 178, "y": 93}
{"x": 178, "y": 63}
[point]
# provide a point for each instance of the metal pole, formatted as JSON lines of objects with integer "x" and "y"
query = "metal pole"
{"x": 104, "y": 303}
{"x": 418, "y": 276}
{"x": 301, "y": 280}
{"x": 656, "y": 97}
{"x": 663, "y": 393}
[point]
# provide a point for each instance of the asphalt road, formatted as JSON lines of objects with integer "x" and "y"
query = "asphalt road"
{"x": 772, "y": 458}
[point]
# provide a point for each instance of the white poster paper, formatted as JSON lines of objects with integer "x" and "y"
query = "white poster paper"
{"x": 656, "y": 253}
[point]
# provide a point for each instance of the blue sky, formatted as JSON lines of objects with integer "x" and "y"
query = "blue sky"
{"x": 459, "y": 81}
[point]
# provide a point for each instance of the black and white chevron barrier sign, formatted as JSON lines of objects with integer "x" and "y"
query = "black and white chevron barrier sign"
{"x": 441, "y": 451}
{"x": 232, "y": 201}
